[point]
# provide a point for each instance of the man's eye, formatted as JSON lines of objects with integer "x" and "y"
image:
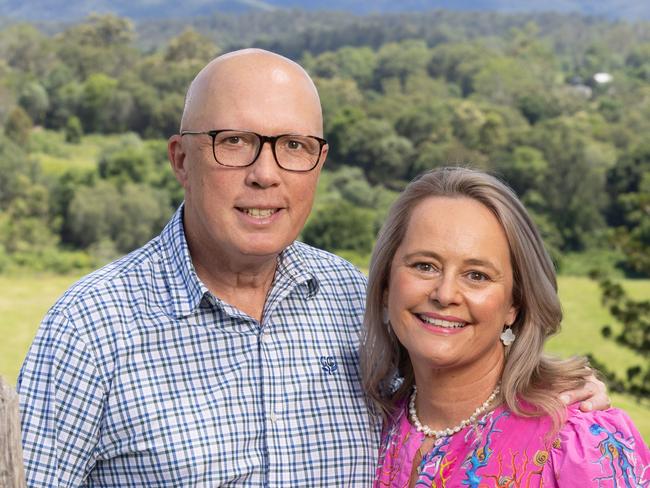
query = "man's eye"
{"x": 293, "y": 144}
{"x": 233, "y": 140}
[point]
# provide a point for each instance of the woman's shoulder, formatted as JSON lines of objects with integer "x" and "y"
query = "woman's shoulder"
{"x": 601, "y": 445}
{"x": 598, "y": 425}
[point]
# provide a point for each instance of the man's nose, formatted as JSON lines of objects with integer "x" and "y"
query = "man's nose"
{"x": 264, "y": 172}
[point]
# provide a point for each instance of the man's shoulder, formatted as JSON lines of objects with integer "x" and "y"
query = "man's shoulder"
{"x": 327, "y": 263}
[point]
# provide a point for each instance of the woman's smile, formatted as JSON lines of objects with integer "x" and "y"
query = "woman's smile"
{"x": 439, "y": 324}
{"x": 450, "y": 288}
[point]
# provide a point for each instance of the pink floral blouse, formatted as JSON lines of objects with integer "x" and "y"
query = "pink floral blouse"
{"x": 596, "y": 449}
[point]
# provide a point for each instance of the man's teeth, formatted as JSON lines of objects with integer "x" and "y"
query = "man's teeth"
{"x": 442, "y": 323}
{"x": 259, "y": 212}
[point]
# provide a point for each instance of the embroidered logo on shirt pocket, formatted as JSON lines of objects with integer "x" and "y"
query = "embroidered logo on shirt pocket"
{"x": 328, "y": 364}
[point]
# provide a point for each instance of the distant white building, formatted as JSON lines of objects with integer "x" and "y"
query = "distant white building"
{"x": 602, "y": 78}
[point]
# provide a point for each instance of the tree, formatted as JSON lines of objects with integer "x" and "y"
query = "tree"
{"x": 524, "y": 169}
{"x": 144, "y": 102}
{"x": 634, "y": 239}
{"x": 100, "y": 44}
{"x": 628, "y": 184}
{"x": 430, "y": 155}
{"x": 127, "y": 161}
{"x": 26, "y": 49}
{"x": 493, "y": 134}
{"x": 14, "y": 164}
{"x": 168, "y": 78}
{"x": 18, "y": 127}
{"x": 467, "y": 122}
{"x": 97, "y": 95}
{"x": 400, "y": 60}
{"x": 73, "y": 130}
{"x": 34, "y": 99}
{"x": 341, "y": 226}
{"x": 570, "y": 183}
{"x": 374, "y": 146}
{"x": 458, "y": 63}
{"x": 190, "y": 45}
{"x": 167, "y": 116}
{"x": 337, "y": 95}
{"x": 144, "y": 212}
{"x": 92, "y": 213}
{"x": 417, "y": 125}
{"x": 65, "y": 102}
{"x": 128, "y": 218}
{"x": 25, "y": 225}
{"x": 62, "y": 193}
{"x": 357, "y": 64}
{"x": 638, "y": 61}
{"x": 625, "y": 178}
{"x": 634, "y": 334}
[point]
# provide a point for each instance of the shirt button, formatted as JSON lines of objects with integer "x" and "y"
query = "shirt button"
{"x": 273, "y": 417}
{"x": 266, "y": 337}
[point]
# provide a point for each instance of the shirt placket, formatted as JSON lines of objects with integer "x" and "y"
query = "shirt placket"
{"x": 275, "y": 351}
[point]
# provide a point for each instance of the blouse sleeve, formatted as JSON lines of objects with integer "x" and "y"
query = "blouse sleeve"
{"x": 601, "y": 448}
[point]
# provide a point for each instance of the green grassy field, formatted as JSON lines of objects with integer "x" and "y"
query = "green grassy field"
{"x": 25, "y": 299}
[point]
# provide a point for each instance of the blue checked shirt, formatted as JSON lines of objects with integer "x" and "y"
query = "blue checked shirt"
{"x": 140, "y": 377}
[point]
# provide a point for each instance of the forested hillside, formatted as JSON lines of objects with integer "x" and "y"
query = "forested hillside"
{"x": 152, "y": 9}
{"x": 559, "y": 106}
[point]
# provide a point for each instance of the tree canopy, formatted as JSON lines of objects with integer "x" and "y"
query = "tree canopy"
{"x": 557, "y": 105}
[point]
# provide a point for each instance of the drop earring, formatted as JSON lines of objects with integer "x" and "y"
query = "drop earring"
{"x": 507, "y": 336}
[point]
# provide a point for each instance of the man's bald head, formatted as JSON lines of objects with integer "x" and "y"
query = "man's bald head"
{"x": 269, "y": 77}
{"x": 240, "y": 219}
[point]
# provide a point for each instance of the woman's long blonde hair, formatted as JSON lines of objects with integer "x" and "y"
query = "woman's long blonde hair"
{"x": 528, "y": 374}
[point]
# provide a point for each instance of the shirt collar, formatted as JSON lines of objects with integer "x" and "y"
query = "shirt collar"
{"x": 187, "y": 290}
{"x": 295, "y": 265}
{"x": 185, "y": 287}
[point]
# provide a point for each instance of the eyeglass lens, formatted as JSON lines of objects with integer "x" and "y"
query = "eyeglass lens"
{"x": 292, "y": 152}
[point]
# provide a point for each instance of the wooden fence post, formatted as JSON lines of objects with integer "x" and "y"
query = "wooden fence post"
{"x": 12, "y": 473}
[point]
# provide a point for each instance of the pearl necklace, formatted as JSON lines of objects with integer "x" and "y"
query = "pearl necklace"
{"x": 429, "y": 432}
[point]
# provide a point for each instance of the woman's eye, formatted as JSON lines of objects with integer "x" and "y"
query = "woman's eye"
{"x": 477, "y": 276}
{"x": 426, "y": 267}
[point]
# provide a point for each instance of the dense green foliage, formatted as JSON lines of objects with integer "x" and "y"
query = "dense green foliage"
{"x": 515, "y": 95}
{"x": 152, "y": 9}
{"x": 634, "y": 334}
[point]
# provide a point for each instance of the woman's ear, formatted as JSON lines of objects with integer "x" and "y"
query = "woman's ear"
{"x": 511, "y": 315}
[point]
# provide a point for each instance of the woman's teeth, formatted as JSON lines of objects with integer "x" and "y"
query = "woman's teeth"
{"x": 442, "y": 323}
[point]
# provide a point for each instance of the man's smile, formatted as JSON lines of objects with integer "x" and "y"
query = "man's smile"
{"x": 260, "y": 213}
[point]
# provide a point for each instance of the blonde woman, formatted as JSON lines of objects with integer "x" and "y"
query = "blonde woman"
{"x": 461, "y": 298}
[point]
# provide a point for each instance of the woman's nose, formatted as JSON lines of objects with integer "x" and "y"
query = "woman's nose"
{"x": 445, "y": 291}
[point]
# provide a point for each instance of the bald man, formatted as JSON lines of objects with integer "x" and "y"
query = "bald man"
{"x": 223, "y": 352}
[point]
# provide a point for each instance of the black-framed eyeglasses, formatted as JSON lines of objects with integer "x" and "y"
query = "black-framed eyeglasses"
{"x": 240, "y": 148}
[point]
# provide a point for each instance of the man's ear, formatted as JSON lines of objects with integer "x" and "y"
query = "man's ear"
{"x": 177, "y": 159}
{"x": 324, "y": 153}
